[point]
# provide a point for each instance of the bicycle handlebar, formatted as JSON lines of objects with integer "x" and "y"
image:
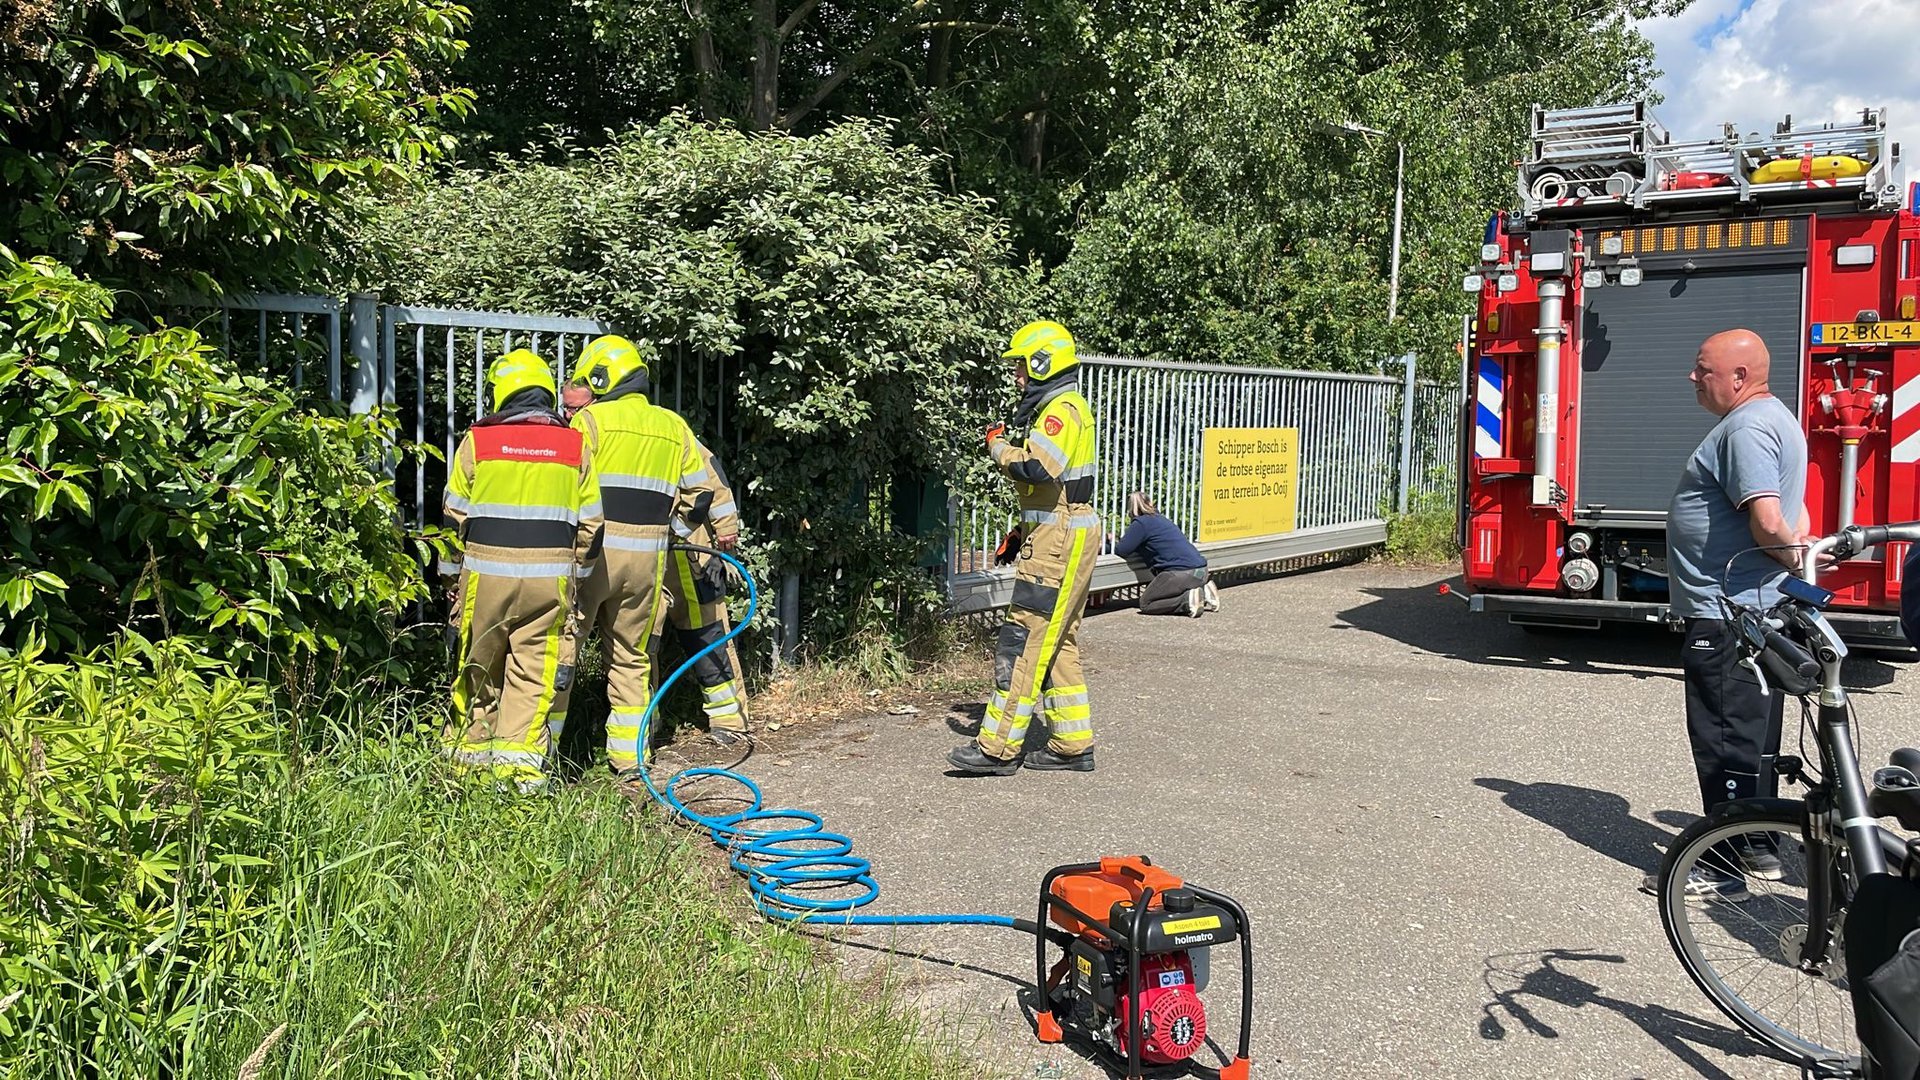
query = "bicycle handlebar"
{"x": 1854, "y": 539}
{"x": 1793, "y": 668}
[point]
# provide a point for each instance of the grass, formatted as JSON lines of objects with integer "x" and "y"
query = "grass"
{"x": 1424, "y": 535}
{"x": 393, "y": 920}
{"x": 439, "y": 929}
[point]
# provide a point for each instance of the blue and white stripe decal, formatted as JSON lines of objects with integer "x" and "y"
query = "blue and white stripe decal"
{"x": 1486, "y": 435}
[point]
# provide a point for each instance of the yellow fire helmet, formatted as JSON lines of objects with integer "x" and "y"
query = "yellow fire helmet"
{"x": 608, "y": 360}
{"x": 521, "y": 369}
{"x": 1045, "y": 350}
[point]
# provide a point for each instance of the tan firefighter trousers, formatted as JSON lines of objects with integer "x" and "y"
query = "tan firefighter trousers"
{"x": 511, "y": 650}
{"x": 697, "y": 611}
{"x": 621, "y": 600}
{"x": 1036, "y": 663}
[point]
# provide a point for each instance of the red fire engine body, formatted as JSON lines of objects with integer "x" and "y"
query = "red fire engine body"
{"x": 1629, "y": 251}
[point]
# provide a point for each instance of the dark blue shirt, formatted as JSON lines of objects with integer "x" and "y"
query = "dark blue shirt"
{"x": 1161, "y": 543}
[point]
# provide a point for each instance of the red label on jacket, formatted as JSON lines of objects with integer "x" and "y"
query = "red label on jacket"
{"x": 1053, "y": 425}
{"x": 528, "y": 442}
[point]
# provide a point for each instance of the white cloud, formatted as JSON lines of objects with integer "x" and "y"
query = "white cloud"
{"x": 1752, "y": 62}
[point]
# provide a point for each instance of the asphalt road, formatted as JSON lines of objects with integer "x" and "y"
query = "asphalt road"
{"x": 1437, "y": 822}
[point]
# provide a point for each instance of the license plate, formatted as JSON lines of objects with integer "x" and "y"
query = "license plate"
{"x": 1846, "y": 333}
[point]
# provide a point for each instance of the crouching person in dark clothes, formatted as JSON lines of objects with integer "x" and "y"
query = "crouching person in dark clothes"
{"x": 1179, "y": 585}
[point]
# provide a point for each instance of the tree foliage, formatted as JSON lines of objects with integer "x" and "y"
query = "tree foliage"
{"x": 158, "y": 143}
{"x": 144, "y": 483}
{"x": 1250, "y": 227}
{"x": 845, "y": 308}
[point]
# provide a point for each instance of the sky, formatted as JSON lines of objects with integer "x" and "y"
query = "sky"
{"x": 1754, "y": 61}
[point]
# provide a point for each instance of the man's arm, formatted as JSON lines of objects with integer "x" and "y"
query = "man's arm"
{"x": 455, "y": 502}
{"x": 1750, "y": 468}
{"x": 1131, "y": 540}
{"x": 722, "y": 513}
{"x": 1044, "y": 457}
{"x": 1770, "y": 530}
{"x": 588, "y": 534}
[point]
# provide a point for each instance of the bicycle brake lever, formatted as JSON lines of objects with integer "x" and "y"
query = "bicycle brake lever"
{"x": 1754, "y": 663}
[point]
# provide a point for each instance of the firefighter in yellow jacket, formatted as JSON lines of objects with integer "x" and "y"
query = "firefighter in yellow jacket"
{"x": 1036, "y": 663}
{"x": 696, "y": 606}
{"x": 651, "y": 470}
{"x": 524, "y": 502}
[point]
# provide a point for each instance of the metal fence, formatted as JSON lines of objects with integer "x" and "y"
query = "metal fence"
{"x": 1361, "y": 455}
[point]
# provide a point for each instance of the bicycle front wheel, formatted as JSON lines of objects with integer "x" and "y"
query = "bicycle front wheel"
{"x": 1759, "y": 926}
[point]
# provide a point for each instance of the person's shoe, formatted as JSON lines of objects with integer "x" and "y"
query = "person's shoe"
{"x": 971, "y": 759}
{"x": 1045, "y": 760}
{"x": 728, "y": 740}
{"x": 1704, "y": 884}
{"x": 1194, "y": 605}
{"x": 1759, "y": 860}
{"x": 1210, "y": 596}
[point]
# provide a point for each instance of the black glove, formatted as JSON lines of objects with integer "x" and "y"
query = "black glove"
{"x": 1009, "y": 548}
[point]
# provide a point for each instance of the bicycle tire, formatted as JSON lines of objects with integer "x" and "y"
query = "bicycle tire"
{"x": 1835, "y": 1044}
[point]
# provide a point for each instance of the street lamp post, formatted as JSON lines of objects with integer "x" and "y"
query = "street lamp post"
{"x": 1399, "y": 200}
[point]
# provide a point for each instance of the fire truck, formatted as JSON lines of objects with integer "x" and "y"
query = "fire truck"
{"x": 1629, "y": 249}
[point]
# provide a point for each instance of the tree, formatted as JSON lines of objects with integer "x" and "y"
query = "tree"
{"x": 1249, "y": 228}
{"x": 154, "y": 142}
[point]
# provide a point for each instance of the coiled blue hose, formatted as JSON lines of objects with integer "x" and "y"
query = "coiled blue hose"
{"x": 784, "y": 867}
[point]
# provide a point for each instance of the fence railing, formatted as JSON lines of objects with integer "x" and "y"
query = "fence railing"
{"x": 1365, "y": 446}
{"x": 1355, "y": 465}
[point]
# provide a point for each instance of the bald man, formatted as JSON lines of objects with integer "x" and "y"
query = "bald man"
{"x": 1742, "y": 489}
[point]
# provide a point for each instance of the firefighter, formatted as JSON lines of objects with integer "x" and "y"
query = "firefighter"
{"x": 696, "y": 606}
{"x": 1037, "y": 660}
{"x": 523, "y": 500}
{"x": 650, "y": 470}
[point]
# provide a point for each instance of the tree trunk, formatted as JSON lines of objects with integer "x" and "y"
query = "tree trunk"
{"x": 706, "y": 64}
{"x": 940, "y": 52}
{"x": 764, "y": 107}
{"x": 1036, "y": 140}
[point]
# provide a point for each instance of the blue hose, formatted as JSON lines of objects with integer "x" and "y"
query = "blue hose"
{"x": 784, "y": 867}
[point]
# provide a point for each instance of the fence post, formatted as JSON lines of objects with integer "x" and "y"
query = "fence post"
{"x": 1407, "y": 404}
{"x": 363, "y": 328}
{"x": 789, "y": 617}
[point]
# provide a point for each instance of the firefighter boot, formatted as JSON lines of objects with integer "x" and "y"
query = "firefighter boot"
{"x": 969, "y": 759}
{"x": 1045, "y": 760}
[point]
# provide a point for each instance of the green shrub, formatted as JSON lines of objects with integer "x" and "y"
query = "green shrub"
{"x": 855, "y": 309}
{"x": 133, "y": 786}
{"x": 146, "y": 483}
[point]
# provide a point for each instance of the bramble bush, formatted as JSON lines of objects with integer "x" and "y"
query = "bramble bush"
{"x": 146, "y": 484}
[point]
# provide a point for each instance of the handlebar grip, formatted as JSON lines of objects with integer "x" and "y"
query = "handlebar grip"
{"x": 1862, "y": 537}
{"x": 1791, "y": 667}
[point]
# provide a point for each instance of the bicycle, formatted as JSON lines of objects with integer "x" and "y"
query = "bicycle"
{"x": 1762, "y": 928}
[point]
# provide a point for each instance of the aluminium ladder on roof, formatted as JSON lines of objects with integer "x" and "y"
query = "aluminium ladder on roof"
{"x": 1590, "y": 159}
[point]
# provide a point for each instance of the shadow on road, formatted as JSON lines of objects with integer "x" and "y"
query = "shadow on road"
{"x": 1512, "y": 979}
{"x": 1419, "y": 617}
{"x": 1594, "y": 819}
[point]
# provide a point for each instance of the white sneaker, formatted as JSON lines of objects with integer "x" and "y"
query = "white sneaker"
{"x": 1210, "y": 597}
{"x": 1194, "y": 604}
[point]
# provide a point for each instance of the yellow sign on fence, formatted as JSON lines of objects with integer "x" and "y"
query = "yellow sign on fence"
{"x": 1249, "y": 482}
